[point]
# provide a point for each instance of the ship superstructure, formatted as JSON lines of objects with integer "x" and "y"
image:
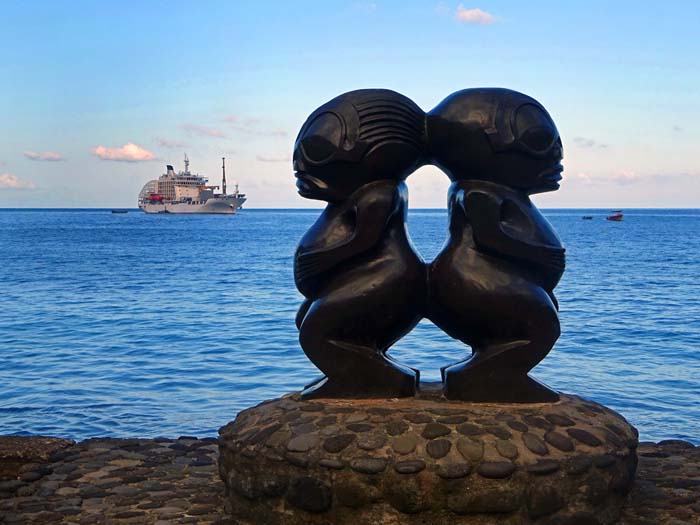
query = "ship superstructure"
{"x": 186, "y": 192}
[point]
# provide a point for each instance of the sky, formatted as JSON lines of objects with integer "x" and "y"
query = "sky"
{"x": 96, "y": 97}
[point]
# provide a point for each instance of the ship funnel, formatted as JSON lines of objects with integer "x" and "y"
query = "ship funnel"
{"x": 223, "y": 173}
{"x": 171, "y": 171}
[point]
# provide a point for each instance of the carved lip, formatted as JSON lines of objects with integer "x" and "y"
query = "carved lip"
{"x": 303, "y": 185}
{"x": 552, "y": 174}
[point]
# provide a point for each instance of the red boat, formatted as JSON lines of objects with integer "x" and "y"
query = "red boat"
{"x": 155, "y": 197}
{"x": 616, "y": 216}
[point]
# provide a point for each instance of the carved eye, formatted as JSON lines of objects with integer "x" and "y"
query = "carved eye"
{"x": 534, "y": 128}
{"x": 322, "y": 138}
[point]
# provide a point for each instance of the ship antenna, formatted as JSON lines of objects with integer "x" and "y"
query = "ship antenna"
{"x": 223, "y": 171}
{"x": 187, "y": 164}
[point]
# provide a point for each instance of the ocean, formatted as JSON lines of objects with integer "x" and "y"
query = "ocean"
{"x": 165, "y": 325}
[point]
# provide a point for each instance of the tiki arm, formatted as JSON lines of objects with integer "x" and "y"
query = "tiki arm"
{"x": 484, "y": 212}
{"x": 372, "y": 210}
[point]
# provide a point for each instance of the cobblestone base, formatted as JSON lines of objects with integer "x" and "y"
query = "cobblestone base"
{"x": 427, "y": 460}
{"x": 666, "y": 492}
{"x": 117, "y": 481}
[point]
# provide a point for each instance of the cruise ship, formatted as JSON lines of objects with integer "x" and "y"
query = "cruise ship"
{"x": 185, "y": 192}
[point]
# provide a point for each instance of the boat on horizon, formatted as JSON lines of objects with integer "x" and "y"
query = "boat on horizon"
{"x": 616, "y": 216}
{"x": 185, "y": 192}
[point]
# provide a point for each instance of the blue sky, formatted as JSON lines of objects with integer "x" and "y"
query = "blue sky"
{"x": 81, "y": 80}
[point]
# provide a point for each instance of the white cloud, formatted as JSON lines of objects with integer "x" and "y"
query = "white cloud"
{"x": 582, "y": 177}
{"x": 442, "y": 9}
{"x": 129, "y": 152}
{"x": 625, "y": 177}
{"x": 167, "y": 143}
{"x": 589, "y": 143}
{"x": 365, "y": 7}
{"x": 50, "y": 156}
{"x": 281, "y": 158}
{"x": 251, "y": 126}
{"x": 474, "y": 16}
{"x": 204, "y": 131}
{"x": 8, "y": 181}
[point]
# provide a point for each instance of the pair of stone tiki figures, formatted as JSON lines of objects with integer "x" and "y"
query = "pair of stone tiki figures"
{"x": 491, "y": 285}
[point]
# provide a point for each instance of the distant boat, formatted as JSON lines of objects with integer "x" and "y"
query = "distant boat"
{"x": 616, "y": 216}
{"x": 587, "y": 217}
{"x": 120, "y": 211}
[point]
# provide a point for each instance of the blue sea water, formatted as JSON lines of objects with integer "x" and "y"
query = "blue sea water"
{"x": 154, "y": 325}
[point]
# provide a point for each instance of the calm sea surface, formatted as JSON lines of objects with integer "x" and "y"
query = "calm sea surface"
{"x": 153, "y": 325}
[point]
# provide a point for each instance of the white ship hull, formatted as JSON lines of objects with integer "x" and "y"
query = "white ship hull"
{"x": 218, "y": 205}
{"x": 187, "y": 192}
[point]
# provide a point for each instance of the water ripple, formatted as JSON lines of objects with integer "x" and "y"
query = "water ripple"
{"x": 137, "y": 325}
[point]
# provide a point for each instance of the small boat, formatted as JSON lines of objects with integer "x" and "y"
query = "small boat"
{"x": 616, "y": 216}
{"x": 587, "y": 217}
{"x": 120, "y": 211}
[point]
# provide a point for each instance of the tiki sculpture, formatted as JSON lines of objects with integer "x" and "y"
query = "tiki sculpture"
{"x": 488, "y": 445}
{"x": 491, "y": 286}
{"x": 364, "y": 284}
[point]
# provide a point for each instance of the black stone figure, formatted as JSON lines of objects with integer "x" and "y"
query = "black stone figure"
{"x": 491, "y": 285}
{"x": 364, "y": 284}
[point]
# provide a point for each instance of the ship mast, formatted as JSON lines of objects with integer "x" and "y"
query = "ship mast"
{"x": 223, "y": 171}
{"x": 187, "y": 164}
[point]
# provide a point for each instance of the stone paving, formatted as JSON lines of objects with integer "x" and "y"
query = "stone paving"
{"x": 171, "y": 481}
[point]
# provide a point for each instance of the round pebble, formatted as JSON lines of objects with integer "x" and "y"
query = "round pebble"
{"x": 517, "y": 425}
{"x": 560, "y": 420}
{"x": 496, "y": 469}
{"x": 409, "y": 466}
{"x": 469, "y": 429}
{"x": 303, "y": 443}
{"x": 535, "y": 444}
{"x": 543, "y": 466}
{"x": 368, "y": 465}
{"x": 371, "y": 441}
{"x": 337, "y": 443}
{"x": 435, "y": 430}
{"x": 395, "y": 428}
{"x": 584, "y": 437}
{"x": 506, "y": 449}
{"x": 471, "y": 449}
{"x": 356, "y": 417}
{"x": 405, "y": 444}
{"x": 360, "y": 427}
{"x": 438, "y": 448}
{"x": 559, "y": 441}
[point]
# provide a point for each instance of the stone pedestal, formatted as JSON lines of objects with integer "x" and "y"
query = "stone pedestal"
{"x": 426, "y": 460}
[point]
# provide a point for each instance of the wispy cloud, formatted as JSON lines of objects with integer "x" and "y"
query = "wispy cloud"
{"x": 48, "y": 156}
{"x": 203, "y": 131}
{"x": 252, "y": 126}
{"x": 584, "y": 142}
{"x": 474, "y": 16}
{"x": 365, "y": 7}
{"x": 442, "y": 9}
{"x": 677, "y": 129}
{"x": 8, "y": 181}
{"x": 280, "y": 158}
{"x": 625, "y": 177}
{"x": 129, "y": 152}
{"x": 583, "y": 178}
{"x": 170, "y": 144}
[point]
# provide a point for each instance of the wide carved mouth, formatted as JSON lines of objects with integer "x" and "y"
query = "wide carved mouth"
{"x": 305, "y": 184}
{"x": 552, "y": 175}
